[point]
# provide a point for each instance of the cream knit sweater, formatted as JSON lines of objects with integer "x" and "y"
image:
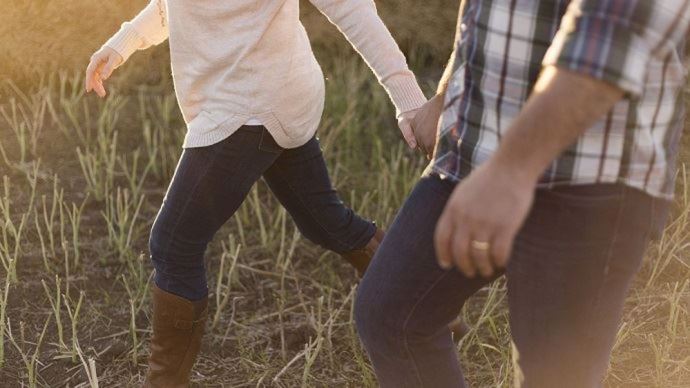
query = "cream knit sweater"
{"x": 235, "y": 60}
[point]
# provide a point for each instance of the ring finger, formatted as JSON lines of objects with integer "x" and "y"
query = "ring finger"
{"x": 460, "y": 251}
{"x": 480, "y": 252}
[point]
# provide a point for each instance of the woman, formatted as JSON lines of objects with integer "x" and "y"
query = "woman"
{"x": 252, "y": 94}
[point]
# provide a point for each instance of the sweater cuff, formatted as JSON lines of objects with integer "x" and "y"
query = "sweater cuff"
{"x": 405, "y": 92}
{"x": 125, "y": 42}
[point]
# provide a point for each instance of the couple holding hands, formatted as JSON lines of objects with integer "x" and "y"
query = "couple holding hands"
{"x": 553, "y": 139}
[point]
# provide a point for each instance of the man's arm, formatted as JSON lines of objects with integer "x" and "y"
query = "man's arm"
{"x": 575, "y": 90}
{"x": 450, "y": 67}
{"x": 562, "y": 106}
{"x": 492, "y": 203}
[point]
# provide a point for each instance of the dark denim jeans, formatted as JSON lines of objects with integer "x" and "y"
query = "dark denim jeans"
{"x": 570, "y": 270}
{"x": 209, "y": 185}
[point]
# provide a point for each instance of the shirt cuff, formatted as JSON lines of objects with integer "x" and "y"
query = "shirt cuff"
{"x": 405, "y": 93}
{"x": 619, "y": 57}
{"x": 126, "y": 41}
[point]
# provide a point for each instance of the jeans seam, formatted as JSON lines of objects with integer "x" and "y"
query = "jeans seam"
{"x": 609, "y": 255}
{"x": 261, "y": 144}
{"x": 406, "y": 345}
{"x": 189, "y": 200}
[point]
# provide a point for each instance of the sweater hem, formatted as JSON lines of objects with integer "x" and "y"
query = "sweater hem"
{"x": 235, "y": 122}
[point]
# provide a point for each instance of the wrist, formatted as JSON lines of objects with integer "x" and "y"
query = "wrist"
{"x": 438, "y": 100}
{"x": 523, "y": 171}
{"x": 404, "y": 92}
{"x": 125, "y": 42}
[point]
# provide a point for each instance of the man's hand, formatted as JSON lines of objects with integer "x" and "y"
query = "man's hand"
{"x": 476, "y": 230}
{"x": 101, "y": 66}
{"x": 425, "y": 124}
{"x": 486, "y": 210}
{"x": 405, "y": 125}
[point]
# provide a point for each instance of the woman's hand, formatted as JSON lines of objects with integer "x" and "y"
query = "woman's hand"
{"x": 425, "y": 124}
{"x": 101, "y": 66}
{"x": 405, "y": 125}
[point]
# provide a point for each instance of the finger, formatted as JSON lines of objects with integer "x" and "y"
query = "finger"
{"x": 428, "y": 151}
{"x": 420, "y": 142}
{"x": 94, "y": 70}
{"x": 90, "y": 69}
{"x": 407, "y": 133}
{"x": 98, "y": 78}
{"x": 442, "y": 239}
{"x": 501, "y": 248}
{"x": 429, "y": 147}
{"x": 98, "y": 86}
{"x": 481, "y": 256}
{"x": 461, "y": 253}
{"x": 109, "y": 66}
{"x": 430, "y": 154}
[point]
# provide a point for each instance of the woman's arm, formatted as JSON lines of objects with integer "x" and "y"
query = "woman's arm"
{"x": 362, "y": 26}
{"x": 148, "y": 28}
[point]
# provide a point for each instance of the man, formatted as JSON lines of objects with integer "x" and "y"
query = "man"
{"x": 554, "y": 165}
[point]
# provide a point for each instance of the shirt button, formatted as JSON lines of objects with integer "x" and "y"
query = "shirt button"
{"x": 463, "y": 27}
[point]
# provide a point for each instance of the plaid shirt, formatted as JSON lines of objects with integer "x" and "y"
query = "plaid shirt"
{"x": 636, "y": 45}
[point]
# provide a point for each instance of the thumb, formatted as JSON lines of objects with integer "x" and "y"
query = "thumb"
{"x": 408, "y": 135}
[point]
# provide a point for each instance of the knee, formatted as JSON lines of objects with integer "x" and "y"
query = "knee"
{"x": 158, "y": 243}
{"x": 376, "y": 321}
{"x": 172, "y": 251}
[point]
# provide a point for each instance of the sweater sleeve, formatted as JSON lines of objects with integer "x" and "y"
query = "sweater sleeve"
{"x": 148, "y": 28}
{"x": 359, "y": 21}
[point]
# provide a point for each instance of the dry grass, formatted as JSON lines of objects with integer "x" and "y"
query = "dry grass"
{"x": 82, "y": 180}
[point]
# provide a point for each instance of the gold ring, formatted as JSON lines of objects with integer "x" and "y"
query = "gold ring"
{"x": 480, "y": 245}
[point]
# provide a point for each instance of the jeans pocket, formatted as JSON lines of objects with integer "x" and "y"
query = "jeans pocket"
{"x": 587, "y": 196}
{"x": 576, "y": 214}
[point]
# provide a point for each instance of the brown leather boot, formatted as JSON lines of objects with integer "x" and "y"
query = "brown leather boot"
{"x": 178, "y": 325}
{"x": 360, "y": 258}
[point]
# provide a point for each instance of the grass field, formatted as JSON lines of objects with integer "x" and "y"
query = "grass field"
{"x": 82, "y": 180}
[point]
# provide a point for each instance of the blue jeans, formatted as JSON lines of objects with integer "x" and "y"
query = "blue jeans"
{"x": 209, "y": 185}
{"x": 570, "y": 270}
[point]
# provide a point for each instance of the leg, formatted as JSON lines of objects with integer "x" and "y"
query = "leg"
{"x": 209, "y": 184}
{"x": 568, "y": 277}
{"x": 299, "y": 179}
{"x": 406, "y": 301}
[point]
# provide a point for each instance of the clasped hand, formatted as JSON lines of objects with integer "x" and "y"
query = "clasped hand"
{"x": 477, "y": 228}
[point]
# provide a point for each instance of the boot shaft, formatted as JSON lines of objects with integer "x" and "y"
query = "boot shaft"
{"x": 178, "y": 327}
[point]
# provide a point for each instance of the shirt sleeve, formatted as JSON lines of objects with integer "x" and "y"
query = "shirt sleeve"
{"x": 616, "y": 40}
{"x": 148, "y": 28}
{"x": 359, "y": 21}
